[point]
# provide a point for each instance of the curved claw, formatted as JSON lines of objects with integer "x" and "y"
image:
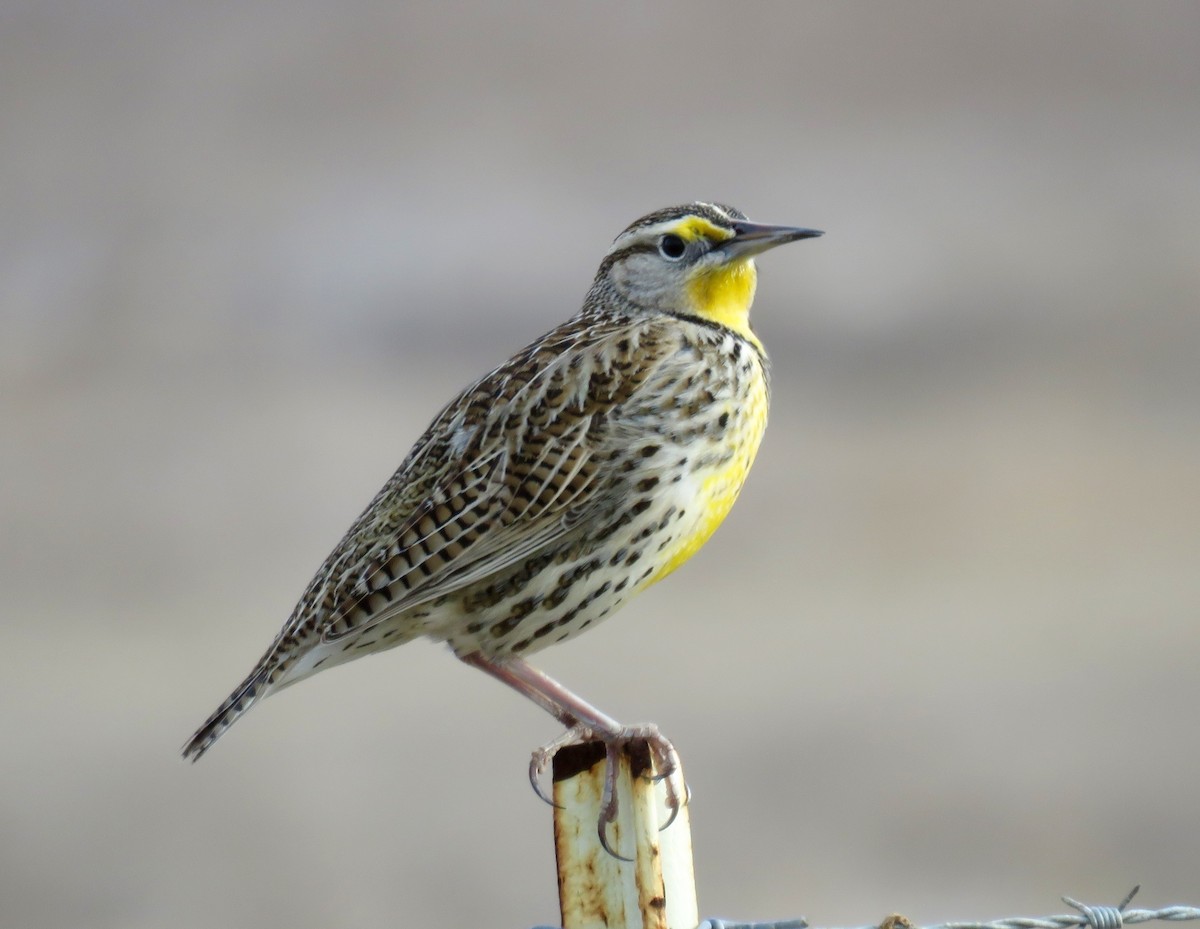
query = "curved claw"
{"x": 540, "y": 760}
{"x": 666, "y": 765}
{"x": 608, "y": 801}
{"x": 670, "y": 819}
{"x": 673, "y": 802}
{"x": 601, "y": 828}
{"x": 537, "y": 765}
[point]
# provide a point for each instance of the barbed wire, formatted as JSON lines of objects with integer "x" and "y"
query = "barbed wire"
{"x": 1092, "y": 917}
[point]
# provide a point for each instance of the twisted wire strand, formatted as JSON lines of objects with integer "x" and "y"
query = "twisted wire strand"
{"x": 1092, "y": 917}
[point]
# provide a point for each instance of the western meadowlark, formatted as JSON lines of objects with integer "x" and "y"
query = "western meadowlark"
{"x": 587, "y": 467}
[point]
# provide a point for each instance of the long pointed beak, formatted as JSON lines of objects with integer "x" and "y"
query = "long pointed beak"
{"x": 751, "y": 239}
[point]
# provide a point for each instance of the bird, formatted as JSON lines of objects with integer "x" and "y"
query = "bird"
{"x": 587, "y": 467}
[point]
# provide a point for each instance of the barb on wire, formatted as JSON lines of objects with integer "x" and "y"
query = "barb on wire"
{"x": 1092, "y": 917}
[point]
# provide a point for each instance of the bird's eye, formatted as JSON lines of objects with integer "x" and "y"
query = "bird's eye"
{"x": 672, "y": 246}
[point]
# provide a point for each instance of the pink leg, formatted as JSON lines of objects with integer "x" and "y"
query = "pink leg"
{"x": 584, "y": 722}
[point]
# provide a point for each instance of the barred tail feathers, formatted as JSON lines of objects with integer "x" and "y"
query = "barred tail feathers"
{"x": 249, "y": 692}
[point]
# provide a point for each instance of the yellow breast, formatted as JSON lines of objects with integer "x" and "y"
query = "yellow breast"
{"x": 708, "y": 495}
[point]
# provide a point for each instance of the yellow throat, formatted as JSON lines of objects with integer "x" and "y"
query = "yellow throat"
{"x": 724, "y": 294}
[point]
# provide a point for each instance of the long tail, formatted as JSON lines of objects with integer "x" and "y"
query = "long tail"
{"x": 247, "y": 694}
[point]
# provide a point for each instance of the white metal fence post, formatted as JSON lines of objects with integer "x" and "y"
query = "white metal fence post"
{"x": 656, "y": 889}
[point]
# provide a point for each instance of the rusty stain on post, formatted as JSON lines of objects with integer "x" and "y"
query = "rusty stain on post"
{"x": 657, "y": 889}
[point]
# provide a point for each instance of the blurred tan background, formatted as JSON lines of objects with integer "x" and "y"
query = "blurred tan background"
{"x": 943, "y": 657}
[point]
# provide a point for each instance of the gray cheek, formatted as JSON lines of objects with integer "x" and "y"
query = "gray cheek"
{"x": 644, "y": 280}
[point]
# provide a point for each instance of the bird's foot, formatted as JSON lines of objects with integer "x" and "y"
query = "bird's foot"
{"x": 664, "y": 762}
{"x": 542, "y": 757}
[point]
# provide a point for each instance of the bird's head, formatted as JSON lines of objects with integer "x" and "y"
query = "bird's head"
{"x": 695, "y": 260}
